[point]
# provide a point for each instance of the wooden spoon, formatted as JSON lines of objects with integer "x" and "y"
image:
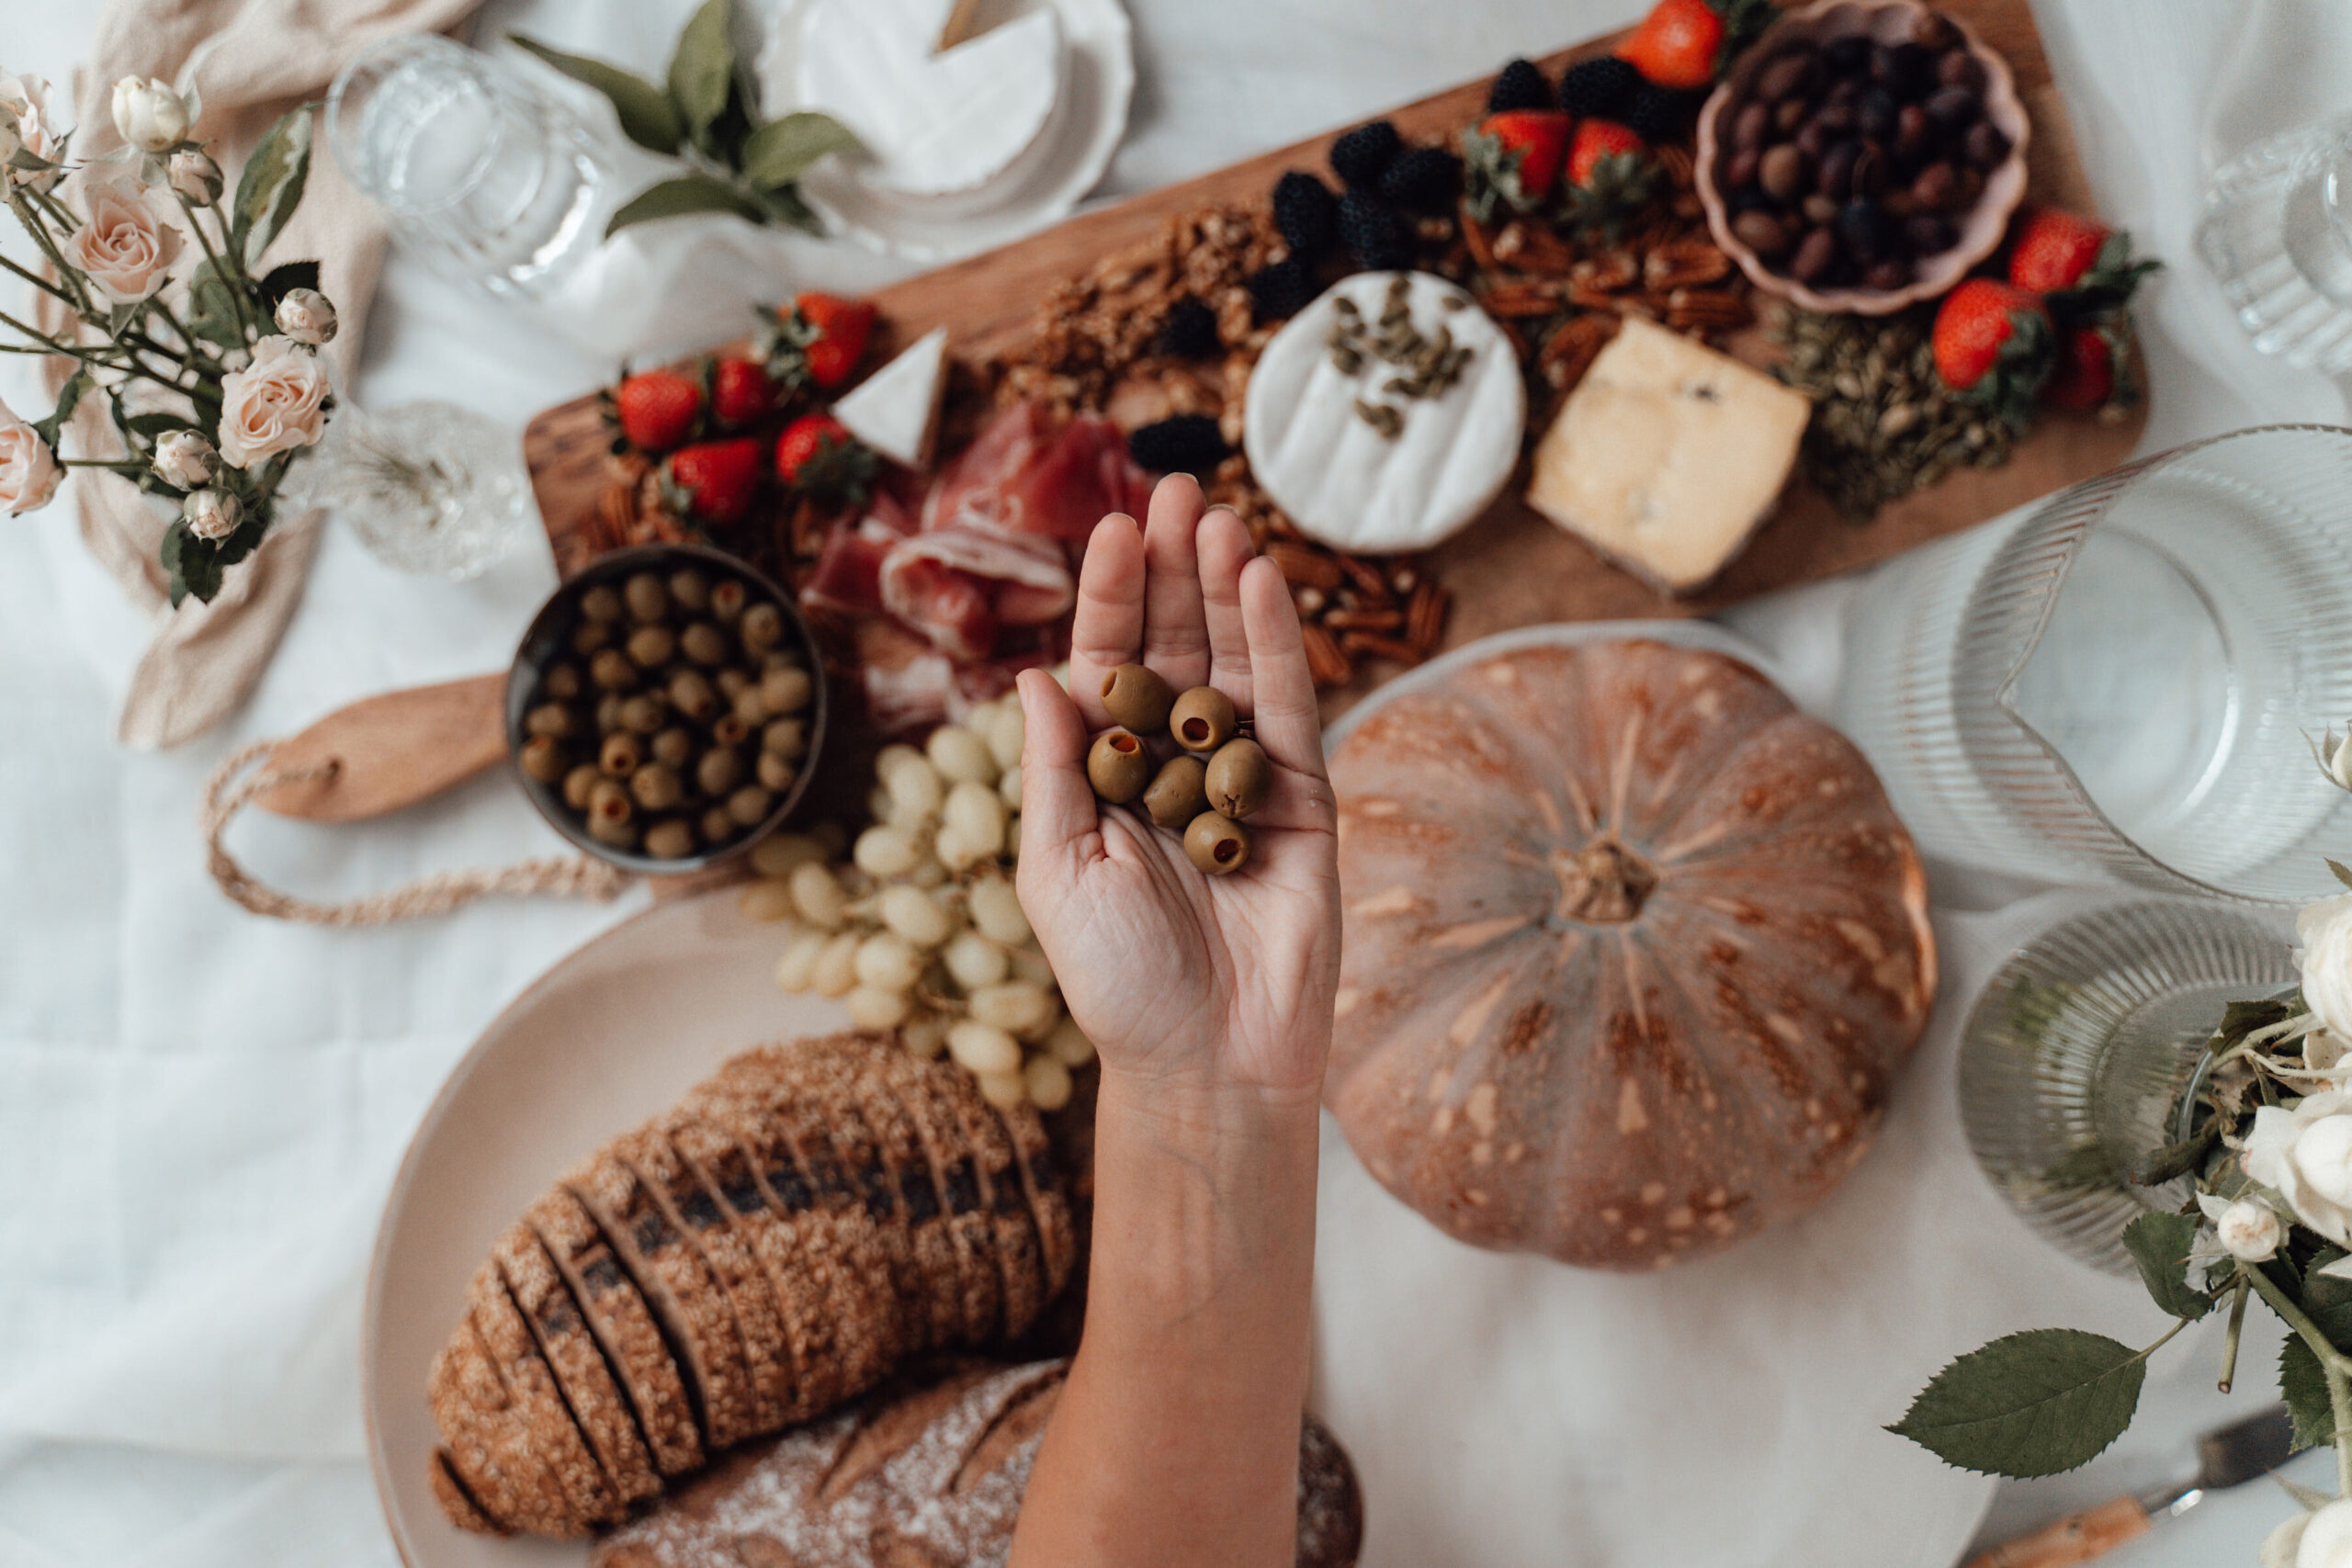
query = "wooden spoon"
{"x": 386, "y": 753}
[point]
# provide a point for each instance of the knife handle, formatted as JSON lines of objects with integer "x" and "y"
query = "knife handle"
{"x": 2078, "y": 1538}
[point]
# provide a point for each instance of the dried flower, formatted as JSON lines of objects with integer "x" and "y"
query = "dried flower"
{"x": 2249, "y": 1230}
{"x": 186, "y": 460}
{"x": 2325, "y": 929}
{"x": 307, "y": 316}
{"x": 2306, "y": 1156}
{"x": 193, "y": 173}
{"x": 274, "y": 405}
{"x": 36, "y": 127}
{"x": 212, "y": 513}
{"x": 28, "y": 470}
{"x": 150, "y": 113}
{"x": 124, "y": 246}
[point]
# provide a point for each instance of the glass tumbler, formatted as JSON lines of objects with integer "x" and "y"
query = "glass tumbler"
{"x": 2278, "y": 237}
{"x": 2123, "y": 683}
{"x": 2074, "y": 1058}
{"x": 480, "y": 173}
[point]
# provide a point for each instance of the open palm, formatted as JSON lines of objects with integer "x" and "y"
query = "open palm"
{"x": 1178, "y": 977}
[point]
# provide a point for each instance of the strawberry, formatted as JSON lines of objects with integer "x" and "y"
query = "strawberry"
{"x": 740, "y": 392}
{"x": 2066, "y": 253}
{"x": 820, "y": 339}
{"x": 1993, "y": 344}
{"x": 1688, "y": 44}
{"x": 1609, "y": 175}
{"x": 1514, "y": 158}
{"x": 657, "y": 409}
{"x": 714, "y": 481}
{"x": 819, "y": 459}
{"x": 2096, "y": 372}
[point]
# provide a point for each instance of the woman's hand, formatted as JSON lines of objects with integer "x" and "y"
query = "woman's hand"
{"x": 1185, "y": 981}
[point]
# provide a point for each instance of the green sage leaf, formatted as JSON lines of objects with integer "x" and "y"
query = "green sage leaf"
{"x": 702, "y": 68}
{"x": 786, "y": 205}
{"x": 271, "y": 187}
{"x": 680, "y": 197}
{"x": 643, "y": 109}
{"x": 2032, "y": 1404}
{"x": 2159, "y": 1244}
{"x": 782, "y": 150}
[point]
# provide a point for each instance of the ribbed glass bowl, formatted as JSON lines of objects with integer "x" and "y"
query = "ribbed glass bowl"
{"x": 2076, "y": 1054}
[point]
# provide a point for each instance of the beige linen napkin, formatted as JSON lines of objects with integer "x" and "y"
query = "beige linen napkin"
{"x": 253, "y": 59}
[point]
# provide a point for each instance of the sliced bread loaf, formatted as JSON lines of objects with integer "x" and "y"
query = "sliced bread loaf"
{"x": 582, "y": 1375}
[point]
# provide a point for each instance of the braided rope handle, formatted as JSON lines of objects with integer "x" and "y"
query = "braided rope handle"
{"x": 570, "y": 876}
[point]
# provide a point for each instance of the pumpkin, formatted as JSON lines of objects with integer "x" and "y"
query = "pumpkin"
{"x": 1633, "y": 950}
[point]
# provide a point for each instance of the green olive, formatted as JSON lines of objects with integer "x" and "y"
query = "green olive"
{"x": 647, "y": 600}
{"x": 1177, "y": 795}
{"x": 620, "y": 754}
{"x": 1202, "y": 719}
{"x": 750, "y": 806}
{"x": 656, "y": 787}
{"x": 590, "y": 635}
{"x": 578, "y": 783}
{"x": 543, "y": 758}
{"x": 777, "y": 658}
{"x": 561, "y": 682}
{"x": 752, "y": 707}
{"x": 690, "y": 590}
{"x": 612, "y": 670}
{"x": 1216, "y": 843}
{"x": 691, "y": 694}
{"x": 727, "y": 597}
{"x": 1137, "y": 699}
{"x": 609, "y": 801}
{"x": 704, "y": 643}
{"x": 550, "y": 718}
{"x": 673, "y": 840}
{"x": 652, "y": 646}
{"x": 730, "y": 729}
{"x": 717, "y": 827}
{"x": 787, "y": 737}
{"x": 763, "y": 627}
{"x": 719, "y": 770}
{"x": 642, "y": 714}
{"x": 1239, "y": 777}
{"x": 775, "y": 771}
{"x": 608, "y": 713}
{"x": 612, "y": 833}
{"x": 786, "y": 690}
{"x": 673, "y": 748}
{"x": 1117, "y": 766}
{"x": 731, "y": 683}
{"x": 603, "y": 603}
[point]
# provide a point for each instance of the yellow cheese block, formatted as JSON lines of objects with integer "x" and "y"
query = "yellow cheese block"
{"x": 1668, "y": 455}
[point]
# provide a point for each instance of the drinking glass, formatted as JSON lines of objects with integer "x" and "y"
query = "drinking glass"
{"x": 2278, "y": 236}
{"x": 2072, "y": 1061}
{"x": 480, "y": 173}
{"x": 427, "y": 487}
{"x": 2123, "y": 684}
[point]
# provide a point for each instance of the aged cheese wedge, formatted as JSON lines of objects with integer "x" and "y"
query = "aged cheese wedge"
{"x": 895, "y": 409}
{"x": 935, "y": 123}
{"x": 1343, "y": 480}
{"x": 1668, "y": 455}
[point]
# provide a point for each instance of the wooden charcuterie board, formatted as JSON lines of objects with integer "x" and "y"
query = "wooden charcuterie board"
{"x": 1511, "y": 567}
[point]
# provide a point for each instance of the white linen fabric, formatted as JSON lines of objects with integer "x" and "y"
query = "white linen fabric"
{"x": 199, "y": 1111}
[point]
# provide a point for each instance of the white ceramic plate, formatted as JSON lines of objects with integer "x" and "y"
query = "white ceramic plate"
{"x": 1041, "y": 188}
{"x": 605, "y": 1039}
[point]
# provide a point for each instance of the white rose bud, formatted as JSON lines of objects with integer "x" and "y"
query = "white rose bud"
{"x": 212, "y": 513}
{"x": 2249, "y": 1229}
{"x": 2306, "y": 1156}
{"x": 2326, "y": 1540}
{"x": 186, "y": 460}
{"x": 2325, "y": 929}
{"x": 307, "y": 316}
{"x": 2278, "y": 1548}
{"x": 30, "y": 471}
{"x": 151, "y": 116}
{"x": 195, "y": 176}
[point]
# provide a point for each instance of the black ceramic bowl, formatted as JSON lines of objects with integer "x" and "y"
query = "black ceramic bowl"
{"x": 548, "y": 642}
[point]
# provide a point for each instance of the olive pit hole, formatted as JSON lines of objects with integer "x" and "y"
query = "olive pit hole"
{"x": 1226, "y": 850}
{"x": 1123, "y": 743}
{"x": 1196, "y": 730}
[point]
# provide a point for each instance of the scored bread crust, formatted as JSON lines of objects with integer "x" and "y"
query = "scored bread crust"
{"x": 534, "y": 1403}
{"x": 582, "y": 1375}
{"x": 479, "y": 1411}
{"x": 1041, "y": 1185}
{"x": 464, "y": 1509}
{"x": 942, "y": 1132}
{"x": 1019, "y": 1253}
{"x": 940, "y": 1255}
{"x": 624, "y": 1327}
{"x": 874, "y": 1224}
{"x": 678, "y": 1284}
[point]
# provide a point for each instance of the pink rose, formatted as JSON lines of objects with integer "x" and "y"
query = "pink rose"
{"x": 274, "y": 405}
{"x": 28, "y": 470}
{"x": 25, "y": 106}
{"x": 125, "y": 247}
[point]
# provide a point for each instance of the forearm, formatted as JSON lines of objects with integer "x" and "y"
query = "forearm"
{"x": 1176, "y": 1441}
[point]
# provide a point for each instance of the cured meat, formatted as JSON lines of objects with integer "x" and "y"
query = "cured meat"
{"x": 1024, "y": 475}
{"x": 959, "y": 583}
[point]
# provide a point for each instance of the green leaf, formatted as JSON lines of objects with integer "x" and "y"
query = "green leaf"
{"x": 2174, "y": 1160}
{"x": 271, "y": 187}
{"x": 643, "y": 109}
{"x": 285, "y": 277}
{"x": 156, "y": 424}
{"x": 2031, "y": 1404}
{"x": 702, "y": 69}
{"x": 68, "y": 396}
{"x": 212, "y": 307}
{"x": 782, "y": 150}
{"x": 2304, "y": 1388}
{"x": 2159, "y": 1244}
{"x": 784, "y": 204}
{"x": 680, "y": 197}
{"x": 193, "y": 564}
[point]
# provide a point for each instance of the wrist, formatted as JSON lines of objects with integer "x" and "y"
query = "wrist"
{"x": 1200, "y": 1115}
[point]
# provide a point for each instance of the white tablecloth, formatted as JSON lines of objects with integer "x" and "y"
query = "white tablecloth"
{"x": 199, "y": 1111}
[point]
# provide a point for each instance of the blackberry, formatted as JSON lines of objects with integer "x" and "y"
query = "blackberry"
{"x": 1363, "y": 155}
{"x": 1188, "y": 444}
{"x": 1522, "y": 85}
{"x": 1306, "y": 213}
{"x": 1603, "y": 87}
{"x": 1663, "y": 114}
{"x": 1374, "y": 233}
{"x": 1189, "y": 332}
{"x": 1281, "y": 291}
{"x": 1425, "y": 179}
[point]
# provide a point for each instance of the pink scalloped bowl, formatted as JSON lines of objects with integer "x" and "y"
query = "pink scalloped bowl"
{"x": 1885, "y": 21}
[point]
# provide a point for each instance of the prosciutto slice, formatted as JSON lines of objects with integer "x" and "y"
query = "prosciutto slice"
{"x": 1027, "y": 475}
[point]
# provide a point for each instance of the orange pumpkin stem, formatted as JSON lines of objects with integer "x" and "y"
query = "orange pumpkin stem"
{"x": 1603, "y": 884}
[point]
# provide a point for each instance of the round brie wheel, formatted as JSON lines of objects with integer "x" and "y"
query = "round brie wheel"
{"x": 1339, "y": 477}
